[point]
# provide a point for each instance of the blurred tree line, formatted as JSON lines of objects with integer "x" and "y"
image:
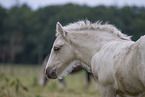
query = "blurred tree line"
{"x": 26, "y": 36}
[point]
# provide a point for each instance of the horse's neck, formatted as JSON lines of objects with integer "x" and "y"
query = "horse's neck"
{"x": 87, "y": 44}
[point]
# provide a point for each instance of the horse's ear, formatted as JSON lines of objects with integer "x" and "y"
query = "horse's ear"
{"x": 60, "y": 30}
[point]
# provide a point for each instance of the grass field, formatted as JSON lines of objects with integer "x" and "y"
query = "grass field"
{"x": 23, "y": 81}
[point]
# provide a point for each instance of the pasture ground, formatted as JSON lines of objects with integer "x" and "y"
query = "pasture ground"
{"x": 23, "y": 81}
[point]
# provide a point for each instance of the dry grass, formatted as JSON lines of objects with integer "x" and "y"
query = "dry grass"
{"x": 29, "y": 77}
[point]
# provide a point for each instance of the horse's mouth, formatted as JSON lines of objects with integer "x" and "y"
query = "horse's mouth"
{"x": 53, "y": 76}
{"x": 51, "y": 73}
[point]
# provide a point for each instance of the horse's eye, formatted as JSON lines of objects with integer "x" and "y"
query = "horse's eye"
{"x": 56, "y": 48}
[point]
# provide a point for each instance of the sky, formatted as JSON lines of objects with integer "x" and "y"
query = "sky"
{"x": 35, "y": 4}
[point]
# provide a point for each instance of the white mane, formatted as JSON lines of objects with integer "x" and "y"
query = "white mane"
{"x": 87, "y": 25}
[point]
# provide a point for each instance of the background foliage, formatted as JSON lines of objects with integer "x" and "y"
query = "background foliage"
{"x": 26, "y": 36}
{"x": 23, "y": 81}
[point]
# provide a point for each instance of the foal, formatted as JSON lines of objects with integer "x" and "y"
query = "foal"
{"x": 117, "y": 62}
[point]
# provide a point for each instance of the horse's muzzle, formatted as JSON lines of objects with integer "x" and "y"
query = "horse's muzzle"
{"x": 51, "y": 73}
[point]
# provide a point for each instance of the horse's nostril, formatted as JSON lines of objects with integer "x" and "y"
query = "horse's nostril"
{"x": 51, "y": 73}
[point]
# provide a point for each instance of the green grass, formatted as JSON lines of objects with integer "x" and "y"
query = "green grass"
{"x": 28, "y": 76}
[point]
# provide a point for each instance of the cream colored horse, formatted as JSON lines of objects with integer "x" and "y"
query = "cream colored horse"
{"x": 117, "y": 63}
